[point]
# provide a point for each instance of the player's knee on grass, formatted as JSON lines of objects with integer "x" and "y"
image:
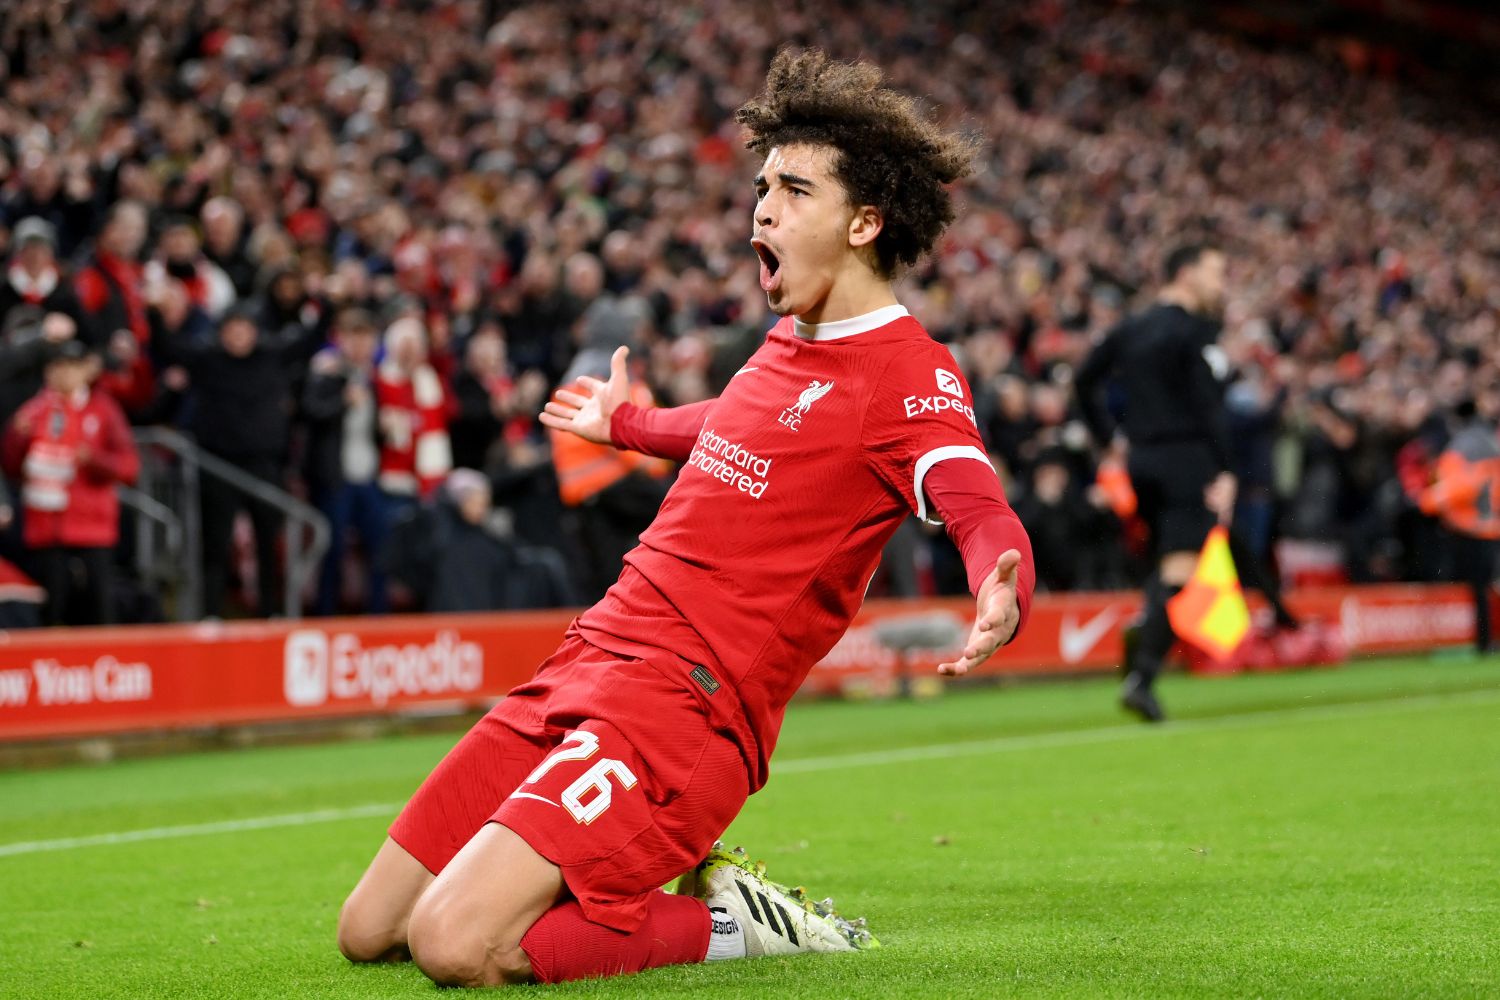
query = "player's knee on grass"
{"x": 372, "y": 922}
{"x": 365, "y": 937}
{"x": 456, "y": 952}
{"x": 466, "y": 927}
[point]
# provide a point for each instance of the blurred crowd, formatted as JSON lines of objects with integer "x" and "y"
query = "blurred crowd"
{"x": 351, "y": 247}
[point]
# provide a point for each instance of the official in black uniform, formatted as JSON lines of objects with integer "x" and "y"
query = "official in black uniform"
{"x": 1174, "y": 422}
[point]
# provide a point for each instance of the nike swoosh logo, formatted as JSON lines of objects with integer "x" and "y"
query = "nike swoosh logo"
{"x": 1074, "y": 640}
{"x": 742, "y": 371}
{"x": 528, "y": 795}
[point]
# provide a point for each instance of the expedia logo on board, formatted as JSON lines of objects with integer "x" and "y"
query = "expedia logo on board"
{"x": 321, "y": 667}
{"x": 306, "y": 679}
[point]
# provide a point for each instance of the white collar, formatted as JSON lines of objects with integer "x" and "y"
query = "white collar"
{"x": 849, "y": 327}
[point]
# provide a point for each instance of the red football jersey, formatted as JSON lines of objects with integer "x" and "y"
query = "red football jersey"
{"x": 761, "y": 553}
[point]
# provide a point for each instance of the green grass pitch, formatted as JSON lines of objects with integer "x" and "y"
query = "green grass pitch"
{"x": 1320, "y": 834}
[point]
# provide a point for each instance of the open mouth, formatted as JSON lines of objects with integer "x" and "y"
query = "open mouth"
{"x": 770, "y": 265}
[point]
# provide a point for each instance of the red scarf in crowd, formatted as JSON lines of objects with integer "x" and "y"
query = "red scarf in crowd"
{"x": 415, "y": 453}
{"x": 125, "y": 275}
{"x": 136, "y": 386}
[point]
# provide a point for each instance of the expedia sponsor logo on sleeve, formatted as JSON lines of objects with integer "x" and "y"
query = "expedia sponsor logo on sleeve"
{"x": 952, "y": 398}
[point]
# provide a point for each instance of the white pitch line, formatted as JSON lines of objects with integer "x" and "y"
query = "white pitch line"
{"x": 200, "y": 829}
{"x": 808, "y": 765}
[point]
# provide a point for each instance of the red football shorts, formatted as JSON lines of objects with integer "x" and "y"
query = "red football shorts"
{"x": 604, "y": 766}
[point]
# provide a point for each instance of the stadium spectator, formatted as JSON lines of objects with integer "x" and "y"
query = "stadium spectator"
{"x": 343, "y": 457}
{"x": 1073, "y": 533}
{"x": 1255, "y": 398}
{"x": 112, "y": 297}
{"x": 68, "y": 447}
{"x": 58, "y": 193}
{"x": 289, "y": 310}
{"x": 523, "y": 478}
{"x": 452, "y": 555}
{"x": 240, "y": 410}
{"x": 33, "y": 276}
{"x": 538, "y": 317}
{"x": 494, "y": 406}
{"x": 224, "y": 243}
{"x": 26, "y": 340}
{"x": 413, "y": 408}
{"x": 179, "y": 256}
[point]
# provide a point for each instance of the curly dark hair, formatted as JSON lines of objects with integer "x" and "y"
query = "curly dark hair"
{"x": 888, "y": 153}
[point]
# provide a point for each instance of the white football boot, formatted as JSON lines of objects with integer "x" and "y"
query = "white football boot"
{"x": 776, "y": 920}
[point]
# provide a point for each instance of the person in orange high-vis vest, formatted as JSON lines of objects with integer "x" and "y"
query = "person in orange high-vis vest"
{"x": 585, "y": 469}
{"x": 613, "y": 493}
{"x": 1465, "y": 496}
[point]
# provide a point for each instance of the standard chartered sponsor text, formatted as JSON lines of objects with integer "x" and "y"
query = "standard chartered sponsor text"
{"x": 729, "y": 462}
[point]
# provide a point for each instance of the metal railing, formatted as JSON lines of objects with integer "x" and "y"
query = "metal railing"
{"x": 168, "y": 493}
{"x": 159, "y": 546}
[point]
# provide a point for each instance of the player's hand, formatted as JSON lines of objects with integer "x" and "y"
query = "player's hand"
{"x": 589, "y": 416}
{"x": 1219, "y": 495}
{"x": 998, "y": 613}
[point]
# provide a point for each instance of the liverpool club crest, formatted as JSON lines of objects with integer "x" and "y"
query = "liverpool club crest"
{"x": 792, "y": 415}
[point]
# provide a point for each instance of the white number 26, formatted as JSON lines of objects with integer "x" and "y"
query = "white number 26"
{"x": 594, "y": 784}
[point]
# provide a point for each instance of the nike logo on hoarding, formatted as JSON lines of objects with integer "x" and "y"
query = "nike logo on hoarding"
{"x": 1075, "y": 641}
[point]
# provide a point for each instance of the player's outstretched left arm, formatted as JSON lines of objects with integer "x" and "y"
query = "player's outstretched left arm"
{"x": 997, "y": 615}
{"x": 996, "y": 553}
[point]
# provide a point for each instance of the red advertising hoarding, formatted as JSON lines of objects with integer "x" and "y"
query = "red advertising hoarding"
{"x": 90, "y": 681}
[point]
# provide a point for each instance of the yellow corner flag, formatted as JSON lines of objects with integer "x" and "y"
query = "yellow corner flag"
{"x": 1210, "y": 611}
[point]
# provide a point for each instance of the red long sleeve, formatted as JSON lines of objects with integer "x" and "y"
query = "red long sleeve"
{"x": 666, "y": 432}
{"x": 969, "y": 498}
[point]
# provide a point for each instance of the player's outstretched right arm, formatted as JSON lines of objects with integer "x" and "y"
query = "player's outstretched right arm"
{"x": 606, "y": 416}
{"x": 589, "y": 416}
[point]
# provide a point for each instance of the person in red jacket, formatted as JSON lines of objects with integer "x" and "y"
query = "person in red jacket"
{"x": 68, "y": 446}
{"x": 113, "y": 298}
